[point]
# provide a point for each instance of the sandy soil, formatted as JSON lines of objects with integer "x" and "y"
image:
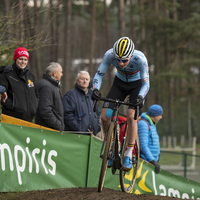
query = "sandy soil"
{"x": 80, "y": 194}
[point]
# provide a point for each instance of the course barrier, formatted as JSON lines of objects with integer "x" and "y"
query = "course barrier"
{"x": 39, "y": 159}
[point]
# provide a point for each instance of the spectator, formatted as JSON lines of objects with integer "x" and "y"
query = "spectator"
{"x": 148, "y": 136}
{"x": 78, "y": 107}
{"x": 20, "y": 85}
{"x": 3, "y": 94}
{"x": 50, "y": 108}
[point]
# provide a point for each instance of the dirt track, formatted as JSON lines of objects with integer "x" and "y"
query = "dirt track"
{"x": 80, "y": 194}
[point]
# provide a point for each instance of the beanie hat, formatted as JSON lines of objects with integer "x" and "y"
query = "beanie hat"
{"x": 20, "y": 51}
{"x": 155, "y": 110}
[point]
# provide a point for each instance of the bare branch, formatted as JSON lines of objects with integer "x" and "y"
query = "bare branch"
{"x": 16, "y": 16}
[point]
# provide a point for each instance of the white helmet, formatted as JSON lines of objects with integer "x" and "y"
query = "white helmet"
{"x": 123, "y": 48}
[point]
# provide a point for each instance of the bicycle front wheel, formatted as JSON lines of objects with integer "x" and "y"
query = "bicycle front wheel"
{"x": 127, "y": 179}
{"x": 105, "y": 156}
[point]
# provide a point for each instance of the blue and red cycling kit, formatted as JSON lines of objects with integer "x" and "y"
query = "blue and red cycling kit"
{"x": 136, "y": 69}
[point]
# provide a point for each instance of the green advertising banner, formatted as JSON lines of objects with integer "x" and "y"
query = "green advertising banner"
{"x": 38, "y": 159}
{"x": 147, "y": 182}
{"x": 33, "y": 159}
{"x": 164, "y": 183}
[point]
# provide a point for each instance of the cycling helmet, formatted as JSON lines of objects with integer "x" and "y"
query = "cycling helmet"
{"x": 123, "y": 48}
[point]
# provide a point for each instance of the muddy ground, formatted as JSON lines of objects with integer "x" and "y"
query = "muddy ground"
{"x": 80, "y": 194}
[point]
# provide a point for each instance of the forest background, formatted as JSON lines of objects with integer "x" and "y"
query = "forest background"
{"x": 77, "y": 33}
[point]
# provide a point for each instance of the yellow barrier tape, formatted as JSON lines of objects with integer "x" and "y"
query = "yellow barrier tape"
{"x": 12, "y": 120}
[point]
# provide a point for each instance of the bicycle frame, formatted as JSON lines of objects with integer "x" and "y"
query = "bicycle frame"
{"x": 115, "y": 146}
{"x": 112, "y": 150}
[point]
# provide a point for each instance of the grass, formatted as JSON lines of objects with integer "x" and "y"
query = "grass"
{"x": 176, "y": 158}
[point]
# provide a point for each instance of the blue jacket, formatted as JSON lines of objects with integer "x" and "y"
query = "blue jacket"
{"x": 148, "y": 138}
{"x": 78, "y": 111}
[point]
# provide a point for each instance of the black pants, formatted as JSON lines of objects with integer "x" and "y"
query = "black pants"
{"x": 121, "y": 89}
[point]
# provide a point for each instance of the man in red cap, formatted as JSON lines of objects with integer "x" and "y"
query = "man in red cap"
{"x": 20, "y": 85}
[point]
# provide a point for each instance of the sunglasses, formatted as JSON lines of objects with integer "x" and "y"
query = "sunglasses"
{"x": 124, "y": 61}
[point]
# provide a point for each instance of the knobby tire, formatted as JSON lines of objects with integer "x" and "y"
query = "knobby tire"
{"x": 127, "y": 179}
{"x": 105, "y": 157}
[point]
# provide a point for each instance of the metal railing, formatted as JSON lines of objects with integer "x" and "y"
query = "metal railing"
{"x": 185, "y": 164}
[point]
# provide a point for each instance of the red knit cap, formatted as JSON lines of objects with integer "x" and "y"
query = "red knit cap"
{"x": 20, "y": 51}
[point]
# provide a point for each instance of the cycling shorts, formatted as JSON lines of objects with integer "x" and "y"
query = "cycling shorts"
{"x": 121, "y": 89}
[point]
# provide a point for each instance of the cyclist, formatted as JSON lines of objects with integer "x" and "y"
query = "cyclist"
{"x": 132, "y": 78}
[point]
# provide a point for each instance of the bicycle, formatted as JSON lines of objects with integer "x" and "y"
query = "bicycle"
{"x": 116, "y": 151}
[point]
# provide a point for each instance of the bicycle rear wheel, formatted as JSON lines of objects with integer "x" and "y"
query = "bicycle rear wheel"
{"x": 105, "y": 156}
{"x": 127, "y": 179}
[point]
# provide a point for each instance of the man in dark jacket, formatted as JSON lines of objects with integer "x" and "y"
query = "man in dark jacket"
{"x": 50, "y": 107}
{"x": 78, "y": 107}
{"x": 20, "y": 86}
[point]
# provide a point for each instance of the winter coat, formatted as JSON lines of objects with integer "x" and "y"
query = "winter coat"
{"x": 148, "y": 139}
{"x": 22, "y": 98}
{"x": 50, "y": 109}
{"x": 78, "y": 111}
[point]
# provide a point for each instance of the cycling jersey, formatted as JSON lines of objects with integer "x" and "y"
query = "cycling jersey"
{"x": 135, "y": 70}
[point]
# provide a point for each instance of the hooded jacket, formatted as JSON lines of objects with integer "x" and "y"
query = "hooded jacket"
{"x": 78, "y": 111}
{"x": 148, "y": 138}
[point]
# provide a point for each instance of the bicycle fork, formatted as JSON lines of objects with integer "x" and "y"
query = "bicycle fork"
{"x": 117, "y": 161}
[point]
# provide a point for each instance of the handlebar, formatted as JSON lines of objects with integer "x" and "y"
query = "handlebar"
{"x": 117, "y": 102}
